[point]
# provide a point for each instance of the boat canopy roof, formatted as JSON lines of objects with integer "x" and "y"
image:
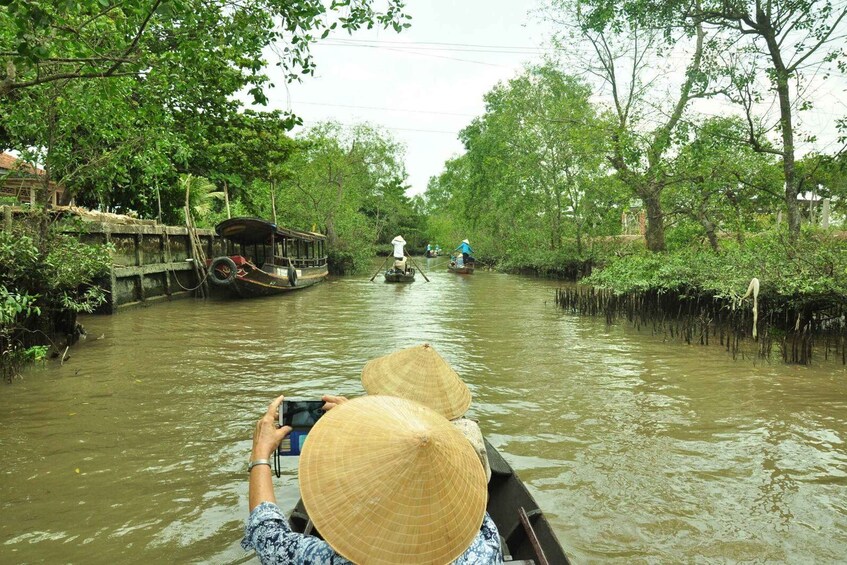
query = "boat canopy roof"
{"x": 255, "y": 230}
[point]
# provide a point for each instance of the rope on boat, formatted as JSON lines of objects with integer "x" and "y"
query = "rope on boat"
{"x": 202, "y": 282}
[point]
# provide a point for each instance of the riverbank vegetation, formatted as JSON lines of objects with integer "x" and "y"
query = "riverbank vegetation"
{"x": 47, "y": 279}
{"x": 124, "y": 104}
{"x": 611, "y": 170}
{"x": 659, "y": 148}
{"x": 770, "y": 287}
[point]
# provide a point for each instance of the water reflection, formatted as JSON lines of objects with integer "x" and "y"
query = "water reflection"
{"x": 134, "y": 450}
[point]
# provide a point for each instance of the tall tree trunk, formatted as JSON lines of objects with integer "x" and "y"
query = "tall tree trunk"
{"x": 338, "y": 181}
{"x": 708, "y": 225}
{"x": 709, "y": 228}
{"x": 331, "y": 236}
{"x": 781, "y": 76}
{"x": 579, "y": 239}
{"x": 655, "y": 231}
{"x": 791, "y": 189}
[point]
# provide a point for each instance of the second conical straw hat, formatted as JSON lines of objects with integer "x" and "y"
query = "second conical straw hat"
{"x": 386, "y": 480}
{"x": 420, "y": 374}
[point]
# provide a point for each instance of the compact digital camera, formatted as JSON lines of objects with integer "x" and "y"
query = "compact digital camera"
{"x": 301, "y": 415}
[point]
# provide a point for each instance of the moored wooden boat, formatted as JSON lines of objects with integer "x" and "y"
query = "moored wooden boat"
{"x": 398, "y": 276}
{"x": 265, "y": 259}
{"x": 507, "y": 497}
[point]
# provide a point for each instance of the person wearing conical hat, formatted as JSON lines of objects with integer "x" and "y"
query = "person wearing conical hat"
{"x": 385, "y": 480}
{"x": 419, "y": 373}
{"x": 399, "y": 253}
{"x": 467, "y": 252}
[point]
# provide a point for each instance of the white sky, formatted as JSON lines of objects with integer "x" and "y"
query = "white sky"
{"x": 425, "y": 84}
{"x": 421, "y": 93}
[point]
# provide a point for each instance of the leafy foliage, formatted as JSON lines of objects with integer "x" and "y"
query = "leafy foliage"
{"x": 758, "y": 52}
{"x": 36, "y": 289}
{"x": 720, "y": 185}
{"x": 627, "y": 57}
{"x": 15, "y": 308}
{"x": 809, "y": 269}
{"x": 45, "y": 41}
{"x": 117, "y": 99}
{"x": 347, "y": 183}
{"x": 200, "y": 194}
{"x": 533, "y": 178}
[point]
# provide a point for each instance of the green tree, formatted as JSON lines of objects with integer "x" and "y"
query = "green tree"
{"x": 45, "y": 41}
{"x": 113, "y": 98}
{"x": 534, "y": 173}
{"x": 718, "y": 183}
{"x": 625, "y": 47}
{"x": 242, "y": 153}
{"x": 334, "y": 181}
{"x": 446, "y": 202}
{"x": 765, "y": 49}
{"x": 100, "y": 143}
{"x": 826, "y": 177}
{"x": 392, "y": 213}
{"x": 786, "y": 37}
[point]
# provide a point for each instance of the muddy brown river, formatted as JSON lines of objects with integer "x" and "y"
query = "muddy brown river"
{"x": 637, "y": 449}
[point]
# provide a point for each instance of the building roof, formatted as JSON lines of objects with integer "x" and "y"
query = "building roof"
{"x": 11, "y": 163}
{"x": 20, "y": 180}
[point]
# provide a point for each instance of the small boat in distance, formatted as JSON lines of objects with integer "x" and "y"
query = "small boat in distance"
{"x": 432, "y": 251}
{"x": 524, "y": 530}
{"x": 460, "y": 268}
{"x": 263, "y": 259}
{"x": 398, "y": 276}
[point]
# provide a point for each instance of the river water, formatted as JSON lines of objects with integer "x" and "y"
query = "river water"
{"x": 637, "y": 449}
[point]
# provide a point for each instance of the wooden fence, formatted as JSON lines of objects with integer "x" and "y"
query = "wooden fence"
{"x": 150, "y": 263}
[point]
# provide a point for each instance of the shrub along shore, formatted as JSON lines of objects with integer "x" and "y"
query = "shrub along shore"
{"x": 698, "y": 295}
{"x": 48, "y": 277}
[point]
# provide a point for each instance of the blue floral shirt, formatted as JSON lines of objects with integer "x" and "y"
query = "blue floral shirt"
{"x": 269, "y": 534}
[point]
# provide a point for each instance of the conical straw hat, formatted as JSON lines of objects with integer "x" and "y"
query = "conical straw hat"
{"x": 387, "y": 480}
{"x": 420, "y": 374}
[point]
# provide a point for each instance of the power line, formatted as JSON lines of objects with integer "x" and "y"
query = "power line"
{"x": 437, "y": 49}
{"x": 392, "y": 128}
{"x": 446, "y": 46}
{"x": 412, "y": 52}
{"x": 421, "y": 47}
{"x": 293, "y": 102}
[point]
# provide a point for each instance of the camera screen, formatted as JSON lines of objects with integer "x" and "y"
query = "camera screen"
{"x": 301, "y": 413}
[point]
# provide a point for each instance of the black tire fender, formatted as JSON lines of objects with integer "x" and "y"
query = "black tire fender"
{"x": 215, "y": 275}
{"x": 292, "y": 275}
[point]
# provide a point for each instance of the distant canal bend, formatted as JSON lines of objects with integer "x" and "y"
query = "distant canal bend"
{"x": 135, "y": 450}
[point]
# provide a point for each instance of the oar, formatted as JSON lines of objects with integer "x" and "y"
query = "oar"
{"x": 439, "y": 262}
{"x": 378, "y": 270}
{"x": 418, "y": 267}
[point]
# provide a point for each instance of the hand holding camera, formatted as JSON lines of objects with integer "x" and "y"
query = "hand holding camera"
{"x": 268, "y": 435}
{"x": 285, "y": 425}
{"x": 299, "y": 416}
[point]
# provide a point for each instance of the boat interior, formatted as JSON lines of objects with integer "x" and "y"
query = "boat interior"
{"x": 295, "y": 252}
